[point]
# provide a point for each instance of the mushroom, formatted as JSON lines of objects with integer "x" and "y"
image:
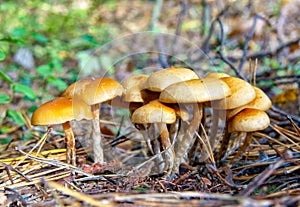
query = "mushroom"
{"x": 94, "y": 92}
{"x": 161, "y": 79}
{"x": 241, "y": 93}
{"x": 248, "y": 121}
{"x": 217, "y": 75}
{"x": 61, "y": 111}
{"x": 261, "y": 102}
{"x": 156, "y": 112}
{"x": 194, "y": 92}
{"x": 132, "y": 91}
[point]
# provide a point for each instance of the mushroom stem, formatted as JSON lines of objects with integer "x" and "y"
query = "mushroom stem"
{"x": 167, "y": 146}
{"x": 244, "y": 146}
{"x": 153, "y": 145}
{"x": 189, "y": 134}
{"x": 213, "y": 134}
{"x": 97, "y": 139}
{"x": 70, "y": 141}
{"x": 224, "y": 145}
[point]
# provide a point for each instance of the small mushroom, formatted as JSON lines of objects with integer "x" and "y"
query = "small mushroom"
{"x": 261, "y": 101}
{"x": 94, "y": 92}
{"x": 156, "y": 112}
{"x": 248, "y": 121}
{"x": 61, "y": 111}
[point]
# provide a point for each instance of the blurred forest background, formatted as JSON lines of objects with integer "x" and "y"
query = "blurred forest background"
{"x": 45, "y": 44}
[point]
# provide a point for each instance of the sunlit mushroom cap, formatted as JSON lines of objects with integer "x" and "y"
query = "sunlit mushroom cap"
{"x": 193, "y": 91}
{"x": 60, "y": 110}
{"x": 134, "y": 80}
{"x": 241, "y": 93}
{"x": 93, "y": 91}
{"x": 217, "y": 75}
{"x": 132, "y": 88}
{"x": 75, "y": 87}
{"x": 261, "y": 102}
{"x": 154, "y": 112}
{"x": 249, "y": 120}
{"x": 159, "y": 80}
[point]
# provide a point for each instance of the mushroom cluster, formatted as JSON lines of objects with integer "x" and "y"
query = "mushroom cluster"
{"x": 168, "y": 107}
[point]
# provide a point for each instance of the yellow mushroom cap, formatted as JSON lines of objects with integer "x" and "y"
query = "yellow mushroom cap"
{"x": 134, "y": 80}
{"x": 241, "y": 93}
{"x": 154, "y": 112}
{"x": 193, "y": 91}
{"x": 261, "y": 101}
{"x": 249, "y": 120}
{"x": 159, "y": 80}
{"x": 75, "y": 87}
{"x": 93, "y": 91}
{"x": 60, "y": 110}
{"x": 217, "y": 75}
{"x": 132, "y": 88}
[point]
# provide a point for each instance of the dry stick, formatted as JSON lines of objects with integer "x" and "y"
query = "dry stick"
{"x": 179, "y": 22}
{"x": 82, "y": 197}
{"x": 209, "y": 145}
{"x": 23, "y": 202}
{"x": 37, "y": 144}
{"x": 297, "y": 129}
{"x": 275, "y": 52}
{"x": 222, "y": 57}
{"x": 279, "y": 111}
{"x": 260, "y": 179}
{"x": 55, "y": 163}
{"x": 286, "y": 137}
{"x": 248, "y": 38}
{"x": 254, "y": 73}
{"x": 250, "y": 72}
{"x": 205, "y": 46}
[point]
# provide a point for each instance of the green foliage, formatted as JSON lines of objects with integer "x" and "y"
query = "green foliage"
{"x": 4, "y": 99}
{"x": 16, "y": 117}
{"x": 25, "y": 90}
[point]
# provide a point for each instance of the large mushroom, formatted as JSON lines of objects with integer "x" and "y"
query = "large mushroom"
{"x": 156, "y": 112}
{"x": 194, "y": 92}
{"x": 161, "y": 79}
{"x": 94, "y": 92}
{"x": 61, "y": 111}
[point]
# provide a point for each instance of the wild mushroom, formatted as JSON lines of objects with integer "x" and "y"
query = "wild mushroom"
{"x": 241, "y": 93}
{"x": 156, "y": 112}
{"x": 217, "y": 75}
{"x": 132, "y": 91}
{"x": 261, "y": 102}
{"x": 194, "y": 92}
{"x": 61, "y": 111}
{"x": 94, "y": 92}
{"x": 161, "y": 79}
{"x": 248, "y": 121}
